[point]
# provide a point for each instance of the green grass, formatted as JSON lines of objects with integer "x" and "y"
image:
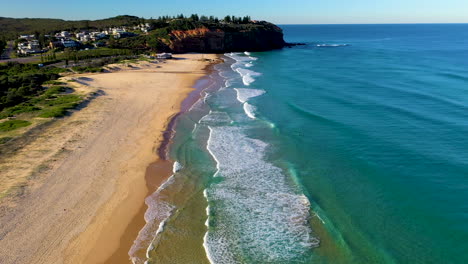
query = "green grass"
{"x": 18, "y": 109}
{"x": 54, "y": 112}
{"x": 51, "y": 103}
{"x": 56, "y": 105}
{"x": 13, "y": 124}
{"x": 53, "y": 90}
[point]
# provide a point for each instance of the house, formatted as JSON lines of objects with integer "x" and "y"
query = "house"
{"x": 29, "y": 47}
{"x": 85, "y": 38}
{"x": 97, "y": 35}
{"x": 70, "y": 43}
{"x": 80, "y": 35}
{"x": 65, "y": 34}
{"x": 116, "y": 31}
{"x": 34, "y": 45}
{"x": 55, "y": 44}
{"x": 27, "y": 37}
{"x": 164, "y": 56}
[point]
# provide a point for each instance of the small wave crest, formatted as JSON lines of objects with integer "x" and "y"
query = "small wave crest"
{"x": 247, "y": 75}
{"x": 176, "y": 167}
{"x": 331, "y": 45}
{"x": 244, "y": 94}
{"x": 249, "y": 110}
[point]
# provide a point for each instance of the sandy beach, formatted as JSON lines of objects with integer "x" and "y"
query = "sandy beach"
{"x": 86, "y": 185}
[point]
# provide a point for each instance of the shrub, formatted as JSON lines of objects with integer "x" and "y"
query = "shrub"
{"x": 13, "y": 124}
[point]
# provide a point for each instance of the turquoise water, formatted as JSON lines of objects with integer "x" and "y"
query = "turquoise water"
{"x": 350, "y": 149}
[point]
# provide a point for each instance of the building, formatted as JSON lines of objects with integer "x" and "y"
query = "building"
{"x": 85, "y": 38}
{"x": 27, "y": 37}
{"x": 30, "y": 47}
{"x": 116, "y": 31}
{"x": 97, "y": 35}
{"x": 70, "y": 43}
{"x": 65, "y": 34}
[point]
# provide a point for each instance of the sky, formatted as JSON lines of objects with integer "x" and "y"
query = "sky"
{"x": 276, "y": 11}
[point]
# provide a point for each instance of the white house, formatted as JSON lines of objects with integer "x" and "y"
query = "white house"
{"x": 65, "y": 34}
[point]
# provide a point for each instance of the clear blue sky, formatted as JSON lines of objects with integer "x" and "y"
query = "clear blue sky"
{"x": 277, "y": 11}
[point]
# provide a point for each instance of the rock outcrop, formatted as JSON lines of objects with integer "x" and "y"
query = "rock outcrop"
{"x": 259, "y": 36}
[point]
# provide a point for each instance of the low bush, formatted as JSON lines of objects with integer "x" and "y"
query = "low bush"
{"x": 13, "y": 124}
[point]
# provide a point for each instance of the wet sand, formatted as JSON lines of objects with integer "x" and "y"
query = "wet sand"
{"x": 85, "y": 208}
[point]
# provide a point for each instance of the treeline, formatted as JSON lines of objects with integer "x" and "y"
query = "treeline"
{"x": 2, "y": 46}
{"x": 10, "y": 28}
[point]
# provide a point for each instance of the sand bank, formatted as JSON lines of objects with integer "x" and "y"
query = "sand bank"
{"x": 79, "y": 208}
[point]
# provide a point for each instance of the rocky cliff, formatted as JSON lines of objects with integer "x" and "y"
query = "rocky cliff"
{"x": 259, "y": 36}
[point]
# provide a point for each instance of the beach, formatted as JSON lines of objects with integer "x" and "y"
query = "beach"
{"x": 82, "y": 205}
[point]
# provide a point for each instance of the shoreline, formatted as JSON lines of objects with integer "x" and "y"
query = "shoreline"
{"x": 158, "y": 171}
{"x": 79, "y": 211}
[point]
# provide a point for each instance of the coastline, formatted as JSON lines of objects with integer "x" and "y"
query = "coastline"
{"x": 80, "y": 211}
{"x": 158, "y": 171}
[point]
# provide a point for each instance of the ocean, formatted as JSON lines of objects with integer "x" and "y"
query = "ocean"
{"x": 349, "y": 149}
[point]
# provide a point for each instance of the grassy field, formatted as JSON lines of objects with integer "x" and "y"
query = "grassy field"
{"x": 54, "y": 102}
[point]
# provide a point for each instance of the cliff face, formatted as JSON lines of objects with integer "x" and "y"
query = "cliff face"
{"x": 256, "y": 37}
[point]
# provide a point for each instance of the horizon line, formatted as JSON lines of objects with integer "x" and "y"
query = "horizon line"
{"x": 278, "y": 23}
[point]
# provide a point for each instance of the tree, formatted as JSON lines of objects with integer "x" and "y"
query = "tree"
{"x": 194, "y": 17}
{"x": 2, "y": 46}
{"x": 227, "y": 19}
{"x": 42, "y": 40}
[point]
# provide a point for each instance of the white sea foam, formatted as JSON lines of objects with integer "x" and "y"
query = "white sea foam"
{"x": 244, "y": 94}
{"x": 247, "y": 75}
{"x": 258, "y": 212}
{"x": 158, "y": 211}
{"x": 248, "y": 65}
{"x": 332, "y": 45}
{"x": 228, "y": 83}
{"x": 247, "y": 53}
{"x": 249, "y": 110}
{"x": 176, "y": 167}
{"x": 216, "y": 118}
